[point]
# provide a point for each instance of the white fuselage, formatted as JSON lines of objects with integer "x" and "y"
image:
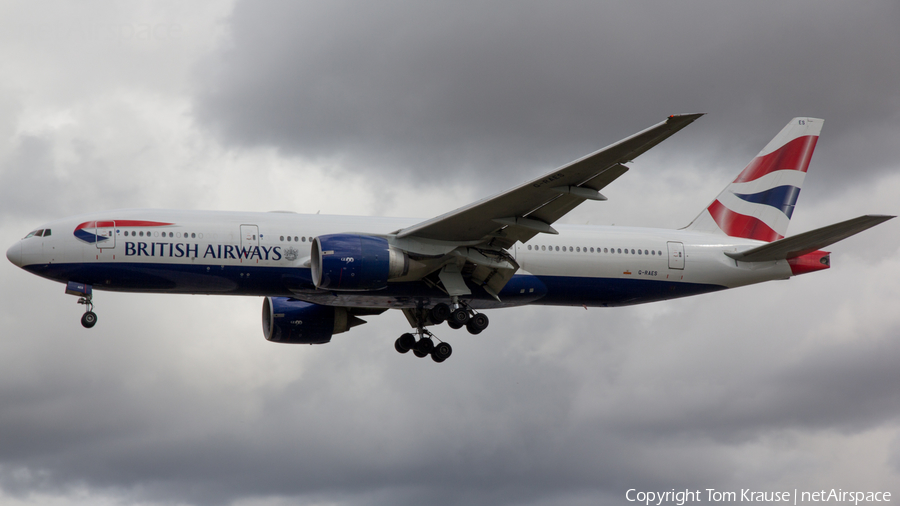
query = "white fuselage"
{"x": 233, "y": 253}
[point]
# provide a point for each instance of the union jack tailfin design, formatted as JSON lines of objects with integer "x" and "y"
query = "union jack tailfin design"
{"x": 759, "y": 203}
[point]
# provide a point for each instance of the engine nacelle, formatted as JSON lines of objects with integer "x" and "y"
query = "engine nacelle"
{"x": 355, "y": 262}
{"x": 287, "y": 320}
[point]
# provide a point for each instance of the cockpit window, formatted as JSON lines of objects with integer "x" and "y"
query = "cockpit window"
{"x": 38, "y": 233}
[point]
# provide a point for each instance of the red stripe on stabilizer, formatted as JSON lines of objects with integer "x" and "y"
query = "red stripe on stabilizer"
{"x": 740, "y": 225}
{"x": 810, "y": 262}
{"x": 794, "y": 155}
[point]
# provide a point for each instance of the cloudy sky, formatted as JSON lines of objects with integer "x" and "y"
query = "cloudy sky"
{"x": 413, "y": 109}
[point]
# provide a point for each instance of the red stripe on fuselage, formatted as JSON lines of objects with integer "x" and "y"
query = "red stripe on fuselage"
{"x": 741, "y": 225}
{"x": 122, "y": 223}
{"x": 794, "y": 155}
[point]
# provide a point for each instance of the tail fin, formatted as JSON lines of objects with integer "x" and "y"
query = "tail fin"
{"x": 759, "y": 203}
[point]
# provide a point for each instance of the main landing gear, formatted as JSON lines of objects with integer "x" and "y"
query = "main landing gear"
{"x": 456, "y": 318}
{"x": 424, "y": 346}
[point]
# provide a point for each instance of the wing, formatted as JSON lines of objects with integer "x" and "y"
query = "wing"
{"x": 526, "y": 210}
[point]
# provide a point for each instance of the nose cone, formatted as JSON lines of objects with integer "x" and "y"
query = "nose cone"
{"x": 14, "y": 254}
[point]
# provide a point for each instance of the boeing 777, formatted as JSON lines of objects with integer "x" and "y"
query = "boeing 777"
{"x": 320, "y": 274}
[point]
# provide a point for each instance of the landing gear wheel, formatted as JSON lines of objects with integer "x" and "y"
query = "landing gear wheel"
{"x": 453, "y": 325}
{"x": 441, "y": 352}
{"x": 424, "y": 347}
{"x": 477, "y": 323}
{"x": 89, "y": 319}
{"x": 405, "y": 343}
{"x": 440, "y": 313}
{"x": 459, "y": 316}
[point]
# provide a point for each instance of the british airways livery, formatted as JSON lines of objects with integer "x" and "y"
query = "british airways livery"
{"x": 321, "y": 274}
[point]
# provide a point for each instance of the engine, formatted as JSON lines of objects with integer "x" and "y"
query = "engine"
{"x": 292, "y": 321}
{"x": 355, "y": 262}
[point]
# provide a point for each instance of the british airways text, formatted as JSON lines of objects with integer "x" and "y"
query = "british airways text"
{"x": 217, "y": 251}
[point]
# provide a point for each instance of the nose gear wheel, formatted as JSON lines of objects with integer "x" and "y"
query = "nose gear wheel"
{"x": 89, "y": 318}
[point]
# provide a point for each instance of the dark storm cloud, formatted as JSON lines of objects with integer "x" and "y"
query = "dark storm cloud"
{"x": 504, "y": 89}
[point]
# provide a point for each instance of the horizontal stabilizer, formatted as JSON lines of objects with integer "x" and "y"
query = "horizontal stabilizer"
{"x": 807, "y": 242}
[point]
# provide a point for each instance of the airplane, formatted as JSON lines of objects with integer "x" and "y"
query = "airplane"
{"x": 319, "y": 275}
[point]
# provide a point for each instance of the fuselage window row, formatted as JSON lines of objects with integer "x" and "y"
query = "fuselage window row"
{"x": 580, "y": 249}
{"x": 141, "y": 233}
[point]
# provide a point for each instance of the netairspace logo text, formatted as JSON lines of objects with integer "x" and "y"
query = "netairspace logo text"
{"x": 711, "y": 495}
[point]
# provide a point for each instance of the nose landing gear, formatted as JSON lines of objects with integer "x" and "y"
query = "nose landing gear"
{"x": 85, "y": 297}
{"x": 89, "y": 318}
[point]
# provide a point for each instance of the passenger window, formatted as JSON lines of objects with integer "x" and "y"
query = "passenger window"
{"x": 543, "y": 248}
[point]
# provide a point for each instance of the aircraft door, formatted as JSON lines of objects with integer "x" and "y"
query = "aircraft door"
{"x": 106, "y": 234}
{"x": 676, "y": 255}
{"x": 249, "y": 236}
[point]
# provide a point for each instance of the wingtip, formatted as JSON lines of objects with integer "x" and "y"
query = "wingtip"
{"x": 693, "y": 115}
{"x": 684, "y": 118}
